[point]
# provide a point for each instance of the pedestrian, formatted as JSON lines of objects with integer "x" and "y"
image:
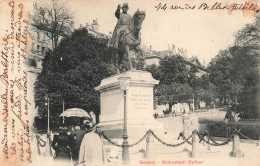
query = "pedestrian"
{"x": 62, "y": 145}
{"x": 91, "y": 148}
{"x": 77, "y": 134}
{"x": 228, "y": 114}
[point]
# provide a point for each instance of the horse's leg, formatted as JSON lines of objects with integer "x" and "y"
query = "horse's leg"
{"x": 128, "y": 55}
{"x": 120, "y": 54}
{"x": 117, "y": 63}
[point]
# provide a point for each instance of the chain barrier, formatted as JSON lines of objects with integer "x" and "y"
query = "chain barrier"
{"x": 201, "y": 136}
{"x": 171, "y": 145}
{"x": 39, "y": 140}
{"x": 181, "y": 135}
{"x": 239, "y": 132}
{"x": 214, "y": 142}
{"x": 155, "y": 136}
{"x": 110, "y": 141}
{"x": 115, "y": 144}
{"x": 187, "y": 139}
{"x": 140, "y": 140}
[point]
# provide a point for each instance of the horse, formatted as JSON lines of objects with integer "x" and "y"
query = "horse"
{"x": 130, "y": 39}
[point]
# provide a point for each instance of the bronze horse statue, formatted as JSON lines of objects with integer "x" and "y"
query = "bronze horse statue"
{"x": 130, "y": 39}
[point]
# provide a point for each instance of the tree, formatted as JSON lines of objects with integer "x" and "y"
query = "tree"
{"x": 245, "y": 58}
{"x": 55, "y": 18}
{"x": 154, "y": 70}
{"x": 138, "y": 61}
{"x": 173, "y": 69}
{"x": 220, "y": 71}
{"x": 235, "y": 71}
{"x": 174, "y": 77}
{"x": 173, "y": 93}
{"x": 71, "y": 72}
{"x": 249, "y": 35}
{"x": 206, "y": 91}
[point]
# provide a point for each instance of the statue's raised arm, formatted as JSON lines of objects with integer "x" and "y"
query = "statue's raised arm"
{"x": 123, "y": 22}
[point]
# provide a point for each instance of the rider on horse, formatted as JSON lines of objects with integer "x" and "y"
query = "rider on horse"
{"x": 123, "y": 23}
{"x": 126, "y": 32}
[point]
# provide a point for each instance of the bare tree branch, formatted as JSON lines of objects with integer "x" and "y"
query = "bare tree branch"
{"x": 53, "y": 17}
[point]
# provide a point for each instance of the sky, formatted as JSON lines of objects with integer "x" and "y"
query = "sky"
{"x": 202, "y": 33}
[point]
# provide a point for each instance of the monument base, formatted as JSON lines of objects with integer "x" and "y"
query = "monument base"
{"x": 136, "y": 129}
{"x": 128, "y": 95}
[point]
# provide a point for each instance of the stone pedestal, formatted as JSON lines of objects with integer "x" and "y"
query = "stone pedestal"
{"x": 139, "y": 106}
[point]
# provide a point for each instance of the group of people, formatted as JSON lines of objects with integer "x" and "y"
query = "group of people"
{"x": 82, "y": 145}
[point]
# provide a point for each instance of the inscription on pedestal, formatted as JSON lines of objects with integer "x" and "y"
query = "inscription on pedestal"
{"x": 141, "y": 101}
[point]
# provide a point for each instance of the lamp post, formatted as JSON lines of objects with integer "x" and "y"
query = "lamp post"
{"x": 48, "y": 150}
{"x": 124, "y": 82}
{"x": 47, "y": 99}
{"x": 63, "y": 118}
{"x": 193, "y": 107}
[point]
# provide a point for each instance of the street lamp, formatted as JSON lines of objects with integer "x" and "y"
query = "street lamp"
{"x": 48, "y": 130}
{"x": 47, "y": 99}
{"x": 124, "y": 83}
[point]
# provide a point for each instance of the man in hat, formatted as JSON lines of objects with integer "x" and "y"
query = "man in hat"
{"x": 62, "y": 145}
{"x": 91, "y": 148}
{"x": 123, "y": 23}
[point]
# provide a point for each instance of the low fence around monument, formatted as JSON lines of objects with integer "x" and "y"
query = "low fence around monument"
{"x": 205, "y": 137}
{"x": 193, "y": 139}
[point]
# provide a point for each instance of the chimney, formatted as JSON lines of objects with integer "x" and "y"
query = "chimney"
{"x": 95, "y": 26}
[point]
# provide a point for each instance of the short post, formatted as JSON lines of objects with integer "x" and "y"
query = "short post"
{"x": 148, "y": 146}
{"x": 205, "y": 143}
{"x": 236, "y": 152}
{"x": 208, "y": 146}
{"x": 185, "y": 125}
{"x": 195, "y": 144}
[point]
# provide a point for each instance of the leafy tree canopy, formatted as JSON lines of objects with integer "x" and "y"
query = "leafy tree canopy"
{"x": 235, "y": 71}
{"x": 175, "y": 78}
{"x": 71, "y": 73}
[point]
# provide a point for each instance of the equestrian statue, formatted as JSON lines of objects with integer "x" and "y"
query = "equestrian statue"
{"x": 126, "y": 35}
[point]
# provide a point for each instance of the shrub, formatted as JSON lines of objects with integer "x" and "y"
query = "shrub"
{"x": 222, "y": 129}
